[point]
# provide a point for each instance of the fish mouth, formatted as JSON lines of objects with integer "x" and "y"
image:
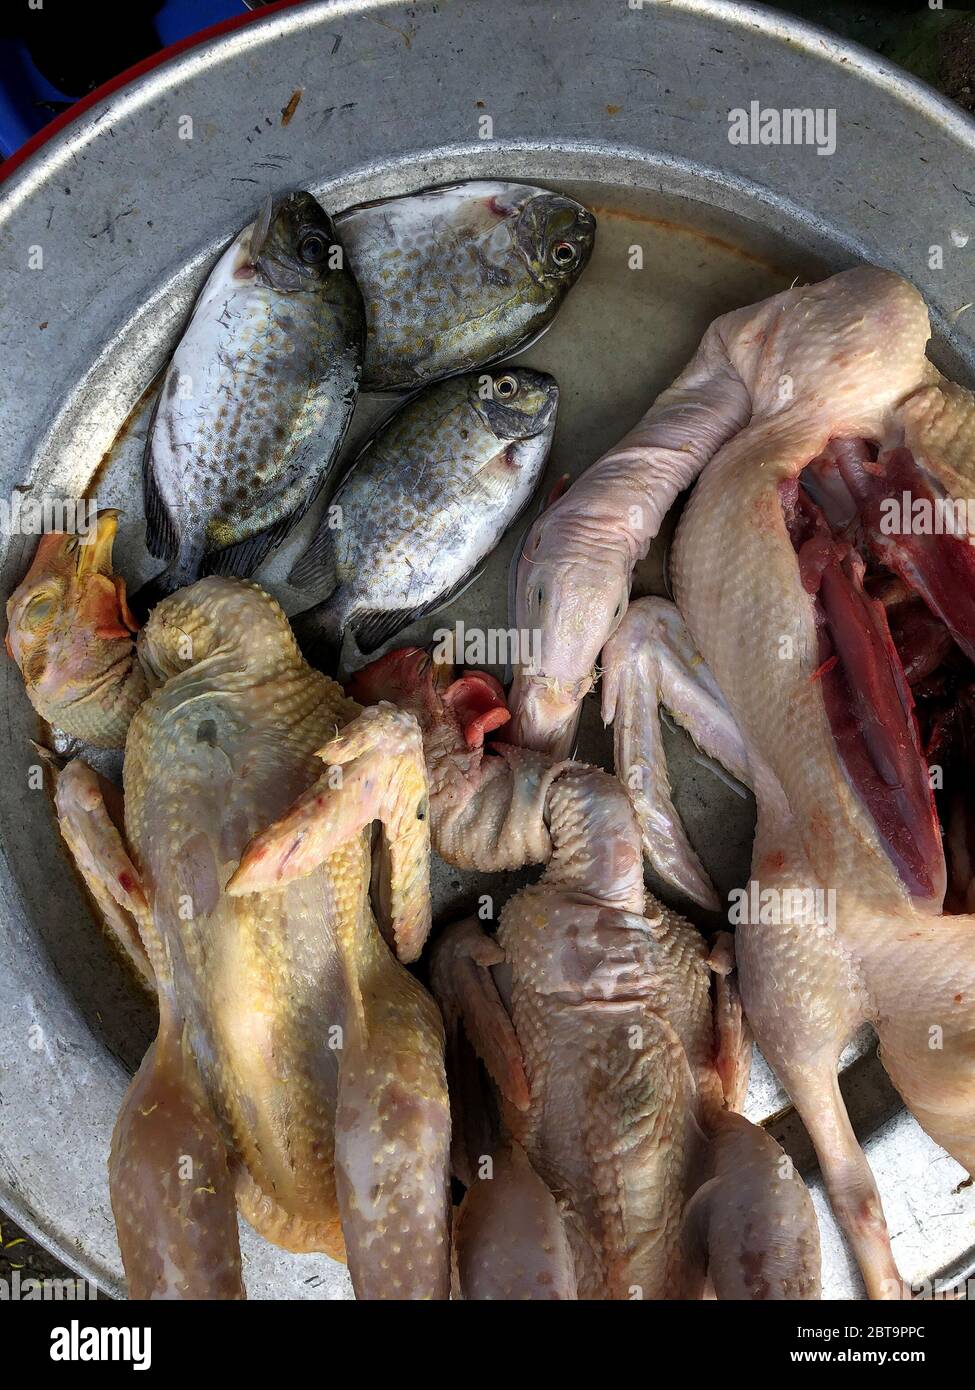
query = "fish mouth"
{"x": 261, "y": 229}
{"x": 548, "y": 411}
{"x": 894, "y": 608}
{"x": 94, "y": 553}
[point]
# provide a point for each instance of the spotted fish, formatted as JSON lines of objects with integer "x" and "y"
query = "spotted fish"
{"x": 256, "y": 400}
{"x": 426, "y": 501}
{"x": 458, "y": 277}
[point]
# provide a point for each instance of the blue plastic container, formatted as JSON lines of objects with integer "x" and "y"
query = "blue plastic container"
{"x": 28, "y": 100}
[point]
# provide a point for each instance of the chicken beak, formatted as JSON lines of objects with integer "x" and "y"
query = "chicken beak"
{"x": 94, "y": 554}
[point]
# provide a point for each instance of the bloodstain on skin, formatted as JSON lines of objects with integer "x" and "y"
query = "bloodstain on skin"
{"x": 774, "y": 862}
{"x": 820, "y": 826}
{"x": 767, "y": 514}
{"x": 288, "y": 111}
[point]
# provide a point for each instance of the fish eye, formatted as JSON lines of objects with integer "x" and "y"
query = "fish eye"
{"x": 506, "y": 387}
{"x": 313, "y": 248}
{"x": 563, "y": 253}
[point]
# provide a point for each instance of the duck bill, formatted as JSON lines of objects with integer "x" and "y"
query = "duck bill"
{"x": 545, "y": 716}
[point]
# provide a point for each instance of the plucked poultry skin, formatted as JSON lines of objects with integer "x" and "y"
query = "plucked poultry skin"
{"x": 812, "y": 411}
{"x": 298, "y": 1069}
{"x": 70, "y": 631}
{"x": 618, "y": 1169}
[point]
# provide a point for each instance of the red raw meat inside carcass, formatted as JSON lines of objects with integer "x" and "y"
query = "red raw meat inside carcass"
{"x": 887, "y": 556}
{"x": 906, "y": 523}
{"x": 867, "y": 697}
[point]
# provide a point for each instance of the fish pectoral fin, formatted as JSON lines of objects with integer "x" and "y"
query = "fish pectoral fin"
{"x": 102, "y": 858}
{"x": 315, "y": 566}
{"x": 162, "y": 536}
{"x": 376, "y": 771}
{"x": 239, "y": 561}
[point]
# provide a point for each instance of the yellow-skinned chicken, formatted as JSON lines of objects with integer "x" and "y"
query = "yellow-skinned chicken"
{"x": 298, "y": 1069}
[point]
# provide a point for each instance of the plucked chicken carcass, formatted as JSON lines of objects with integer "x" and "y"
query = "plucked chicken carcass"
{"x": 837, "y": 619}
{"x": 617, "y": 1166}
{"x": 298, "y": 1069}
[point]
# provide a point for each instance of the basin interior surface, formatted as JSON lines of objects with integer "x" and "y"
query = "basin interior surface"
{"x": 675, "y": 248}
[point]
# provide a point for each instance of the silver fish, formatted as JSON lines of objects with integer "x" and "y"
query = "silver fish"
{"x": 256, "y": 399}
{"x": 457, "y": 277}
{"x": 425, "y": 502}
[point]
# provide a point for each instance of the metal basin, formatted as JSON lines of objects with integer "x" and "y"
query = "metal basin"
{"x": 626, "y": 106}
